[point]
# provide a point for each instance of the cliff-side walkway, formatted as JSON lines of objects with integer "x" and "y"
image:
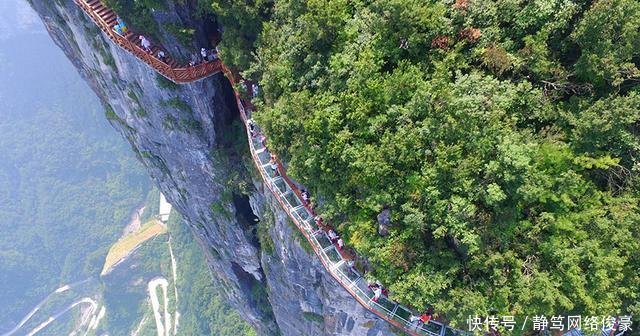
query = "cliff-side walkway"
{"x": 330, "y": 254}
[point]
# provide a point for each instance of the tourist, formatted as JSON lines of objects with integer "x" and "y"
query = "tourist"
{"x": 203, "y": 53}
{"x": 340, "y": 243}
{"x": 426, "y": 316}
{"x": 274, "y": 166}
{"x": 195, "y": 60}
{"x": 254, "y": 90}
{"x": 333, "y": 236}
{"x": 160, "y": 55}
{"x": 120, "y": 27}
{"x": 404, "y": 44}
{"x": 252, "y": 128}
{"x": 415, "y": 321}
{"x": 351, "y": 262}
{"x": 377, "y": 292}
{"x": 305, "y": 197}
{"x": 118, "y": 30}
{"x": 213, "y": 54}
{"x": 146, "y": 45}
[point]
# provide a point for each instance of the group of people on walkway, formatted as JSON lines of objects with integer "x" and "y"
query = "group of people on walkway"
{"x": 204, "y": 56}
{"x": 147, "y": 47}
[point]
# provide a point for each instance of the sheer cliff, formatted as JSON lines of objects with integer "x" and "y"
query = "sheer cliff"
{"x": 191, "y": 141}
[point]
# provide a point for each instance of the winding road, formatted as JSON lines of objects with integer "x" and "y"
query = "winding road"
{"x": 164, "y": 329}
{"x": 174, "y": 269}
{"x": 86, "y": 300}
{"x": 37, "y": 307}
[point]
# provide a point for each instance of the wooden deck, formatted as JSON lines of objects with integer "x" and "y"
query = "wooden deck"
{"x": 168, "y": 67}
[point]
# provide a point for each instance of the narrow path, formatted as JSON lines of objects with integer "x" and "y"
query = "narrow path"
{"x": 95, "y": 320}
{"x": 174, "y": 269}
{"x": 140, "y": 325}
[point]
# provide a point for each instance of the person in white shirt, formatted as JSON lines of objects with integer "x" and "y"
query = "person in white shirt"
{"x": 146, "y": 45}
{"x": 332, "y": 235}
{"x": 377, "y": 292}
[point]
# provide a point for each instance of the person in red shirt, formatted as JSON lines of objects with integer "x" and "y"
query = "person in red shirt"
{"x": 426, "y": 316}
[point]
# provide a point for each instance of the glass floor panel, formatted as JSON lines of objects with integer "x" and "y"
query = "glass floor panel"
{"x": 304, "y": 214}
{"x": 343, "y": 278}
{"x": 333, "y": 255}
{"x": 280, "y": 184}
{"x": 307, "y": 220}
{"x": 386, "y": 304}
{"x": 362, "y": 285}
{"x": 348, "y": 272}
{"x": 421, "y": 331}
{"x": 293, "y": 199}
{"x": 432, "y": 327}
{"x": 403, "y": 313}
{"x": 323, "y": 240}
{"x": 264, "y": 157}
{"x": 309, "y": 226}
{"x": 403, "y": 321}
{"x": 450, "y": 332}
{"x": 257, "y": 144}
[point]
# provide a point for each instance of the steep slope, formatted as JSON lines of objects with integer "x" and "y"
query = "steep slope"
{"x": 191, "y": 141}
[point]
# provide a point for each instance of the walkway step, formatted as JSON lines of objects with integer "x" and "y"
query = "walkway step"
{"x": 102, "y": 11}
{"x": 133, "y": 38}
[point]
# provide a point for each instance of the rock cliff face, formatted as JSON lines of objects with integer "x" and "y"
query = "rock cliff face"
{"x": 192, "y": 142}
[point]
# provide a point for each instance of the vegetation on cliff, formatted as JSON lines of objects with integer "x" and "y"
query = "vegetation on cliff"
{"x": 503, "y": 137}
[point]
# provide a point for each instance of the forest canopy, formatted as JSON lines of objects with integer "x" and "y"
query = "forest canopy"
{"x": 503, "y": 136}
